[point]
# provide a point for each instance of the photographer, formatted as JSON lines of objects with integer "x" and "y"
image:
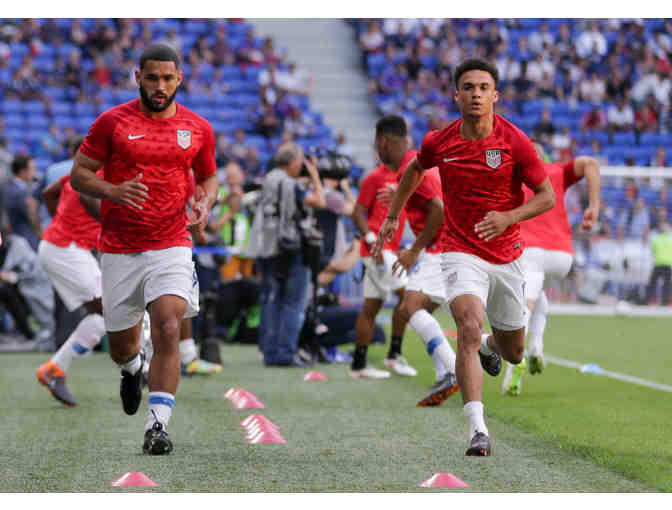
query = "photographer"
{"x": 280, "y": 226}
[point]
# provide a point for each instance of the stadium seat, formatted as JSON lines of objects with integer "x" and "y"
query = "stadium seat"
{"x": 624, "y": 138}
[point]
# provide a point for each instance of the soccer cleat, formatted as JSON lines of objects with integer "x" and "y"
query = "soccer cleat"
{"x": 400, "y": 366}
{"x": 53, "y": 377}
{"x": 479, "y": 446}
{"x": 201, "y": 367}
{"x": 491, "y": 363}
{"x": 157, "y": 441}
{"x": 131, "y": 389}
{"x": 536, "y": 364}
{"x": 513, "y": 379}
{"x": 440, "y": 391}
{"x": 368, "y": 372}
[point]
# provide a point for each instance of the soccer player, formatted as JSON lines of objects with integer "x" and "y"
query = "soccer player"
{"x": 148, "y": 146}
{"x": 379, "y": 280}
{"x": 483, "y": 160}
{"x": 425, "y": 290}
{"x": 547, "y": 258}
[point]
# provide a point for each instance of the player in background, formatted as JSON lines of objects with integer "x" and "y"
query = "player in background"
{"x": 483, "y": 160}
{"x": 148, "y": 146}
{"x": 548, "y": 253}
{"x": 379, "y": 280}
{"x": 425, "y": 290}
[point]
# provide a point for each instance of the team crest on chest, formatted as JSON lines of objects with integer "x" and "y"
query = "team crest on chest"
{"x": 493, "y": 158}
{"x": 184, "y": 138}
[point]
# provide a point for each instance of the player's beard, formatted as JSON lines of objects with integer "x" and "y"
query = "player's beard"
{"x": 147, "y": 101}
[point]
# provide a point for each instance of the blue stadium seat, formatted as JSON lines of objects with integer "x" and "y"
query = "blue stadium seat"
{"x": 376, "y": 62}
{"x": 33, "y": 107}
{"x": 9, "y": 106}
{"x": 624, "y": 138}
{"x": 38, "y": 121}
{"x": 14, "y": 120}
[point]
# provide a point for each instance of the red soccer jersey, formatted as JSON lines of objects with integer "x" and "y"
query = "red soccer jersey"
{"x": 129, "y": 142}
{"x": 72, "y": 223}
{"x": 551, "y": 230}
{"x": 380, "y": 177}
{"x": 416, "y": 207}
{"x": 478, "y": 176}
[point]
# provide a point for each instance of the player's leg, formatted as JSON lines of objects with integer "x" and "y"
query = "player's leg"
{"x": 190, "y": 362}
{"x": 536, "y": 330}
{"x": 125, "y": 352}
{"x": 364, "y": 328}
{"x": 394, "y": 360}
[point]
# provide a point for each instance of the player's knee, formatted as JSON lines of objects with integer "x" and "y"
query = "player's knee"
{"x": 167, "y": 329}
{"x": 469, "y": 330}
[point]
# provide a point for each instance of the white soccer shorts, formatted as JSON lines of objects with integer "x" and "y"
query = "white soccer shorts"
{"x": 131, "y": 281}
{"x": 73, "y": 271}
{"x": 500, "y": 287}
{"x": 426, "y": 276}
{"x": 544, "y": 269}
{"x": 379, "y": 281}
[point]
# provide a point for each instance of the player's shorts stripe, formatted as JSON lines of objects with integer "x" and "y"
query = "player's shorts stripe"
{"x": 154, "y": 399}
{"x": 433, "y": 344}
{"x": 79, "y": 348}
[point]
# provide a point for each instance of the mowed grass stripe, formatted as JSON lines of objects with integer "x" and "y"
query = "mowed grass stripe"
{"x": 343, "y": 435}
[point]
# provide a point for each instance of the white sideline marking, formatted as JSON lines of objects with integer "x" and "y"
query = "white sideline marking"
{"x": 613, "y": 375}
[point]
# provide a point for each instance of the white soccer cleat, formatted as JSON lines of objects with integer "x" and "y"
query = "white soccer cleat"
{"x": 400, "y": 366}
{"x": 368, "y": 372}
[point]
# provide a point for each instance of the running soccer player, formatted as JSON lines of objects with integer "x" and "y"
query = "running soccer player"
{"x": 148, "y": 146}
{"x": 426, "y": 290}
{"x": 379, "y": 280}
{"x": 483, "y": 160}
{"x": 547, "y": 258}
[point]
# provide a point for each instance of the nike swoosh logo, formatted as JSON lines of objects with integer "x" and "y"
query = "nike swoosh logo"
{"x": 135, "y": 137}
{"x": 446, "y": 160}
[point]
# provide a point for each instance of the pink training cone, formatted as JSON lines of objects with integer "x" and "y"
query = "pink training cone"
{"x": 134, "y": 479}
{"x": 446, "y": 480}
{"x": 241, "y": 399}
{"x": 314, "y": 376}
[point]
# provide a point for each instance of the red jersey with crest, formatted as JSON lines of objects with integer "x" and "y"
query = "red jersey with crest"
{"x": 72, "y": 223}
{"x": 551, "y": 230}
{"x": 129, "y": 142}
{"x": 478, "y": 176}
{"x": 380, "y": 177}
{"x": 416, "y": 207}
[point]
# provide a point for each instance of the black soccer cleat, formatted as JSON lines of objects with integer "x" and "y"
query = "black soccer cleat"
{"x": 157, "y": 441}
{"x": 131, "y": 389}
{"x": 479, "y": 446}
{"x": 492, "y": 363}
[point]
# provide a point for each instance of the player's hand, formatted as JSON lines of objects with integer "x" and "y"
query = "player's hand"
{"x": 404, "y": 262}
{"x": 492, "y": 225}
{"x": 132, "y": 193}
{"x": 384, "y": 195}
{"x": 590, "y": 216}
{"x": 386, "y": 233}
{"x": 199, "y": 214}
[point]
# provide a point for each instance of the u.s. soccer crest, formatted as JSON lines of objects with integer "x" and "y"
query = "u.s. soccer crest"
{"x": 184, "y": 138}
{"x": 493, "y": 158}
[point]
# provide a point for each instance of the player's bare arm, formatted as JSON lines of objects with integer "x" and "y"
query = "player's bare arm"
{"x": 435, "y": 218}
{"x": 91, "y": 205}
{"x": 409, "y": 182}
{"x": 50, "y": 195}
{"x": 205, "y": 196}
{"x": 84, "y": 179}
{"x": 588, "y": 168}
{"x": 496, "y": 222}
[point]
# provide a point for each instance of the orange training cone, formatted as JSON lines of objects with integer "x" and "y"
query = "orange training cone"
{"x": 448, "y": 480}
{"x": 134, "y": 479}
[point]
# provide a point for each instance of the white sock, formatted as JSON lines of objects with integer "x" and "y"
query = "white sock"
{"x": 485, "y": 348}
{"x": 132, "y": 366}
{"x": 188, "y": 350}
{"x": 538, "y": 326}
{"x": 85, "y": 337}
{"x": 429, "y": 329}
{"x": 159, "y": 408}
{"x": 473, "y": 412}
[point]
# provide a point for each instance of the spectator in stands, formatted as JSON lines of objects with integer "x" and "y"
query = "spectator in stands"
{"x": 5, "y": 161}
{"x": 618, "y": 83}
{"x": 537, "y": 68}
{"x": 268, "y": 122}
{"x": 22, "y": 208}
{"x": 51, "y": 143}
{"x": 591, "y": 44}
{"x": 294, "y": 80}
{"x": 661, "y": 248}
{"x": 592, "y": 89}
{"x": 73, "y": 70}
{"x": 239, "y": 147}
{"x": 593, "y": 120}
{"x": 371, "y": 41}
{"x": 298, "y": 124}
{"x": 249, "y": 52}
{"x": 25, "y": 84}
{"x": 252, "y": 164}
{"x": 507, "y": 104}
{"x": 635, "y": 223}
{"x": 343, "y": 147}
{"x": 646, "y": 118}
{"x": 393, "y": 79}
{"x": 620, "y": 117}
{"x": 541, "y": 41}
{"x": 544, "y": 129}
{"x": 562, "y": 144}
{"x": 659, "y": 159}
{"x": 222, "y": 150}
{"x": 597, "y": 153}
{"x": 509, "y": 68}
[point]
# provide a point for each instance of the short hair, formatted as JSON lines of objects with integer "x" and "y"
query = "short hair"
{"x": 476, "y": 64}
{"x": 391, "y": 125}
{"x": 161, "y": 52}
{"x": 287, "y": 152}
{"x": 20, "y": 162}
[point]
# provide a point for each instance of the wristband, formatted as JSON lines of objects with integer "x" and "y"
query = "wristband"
{"x": 370, "y": 237}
